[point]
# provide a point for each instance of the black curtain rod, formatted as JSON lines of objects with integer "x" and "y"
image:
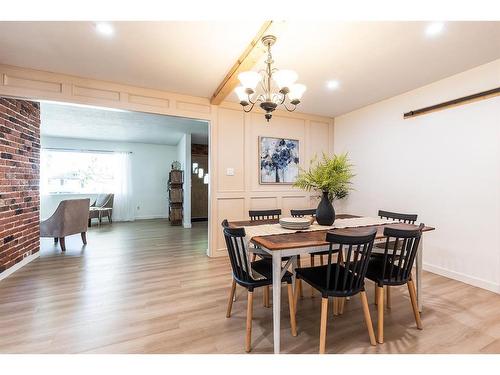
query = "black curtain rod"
{"x": 451, "y": 103}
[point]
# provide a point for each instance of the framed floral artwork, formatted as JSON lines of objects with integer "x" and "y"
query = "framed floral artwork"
{"x": 279, "y": 160}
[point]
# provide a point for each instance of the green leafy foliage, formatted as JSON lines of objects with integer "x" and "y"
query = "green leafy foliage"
{"x": 329, "y": 174}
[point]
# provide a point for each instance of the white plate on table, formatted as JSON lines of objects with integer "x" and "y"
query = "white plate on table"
{"x": 295, "y": 223}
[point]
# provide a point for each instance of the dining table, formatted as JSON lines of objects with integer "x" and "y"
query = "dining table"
{"x": 291, "y": 245}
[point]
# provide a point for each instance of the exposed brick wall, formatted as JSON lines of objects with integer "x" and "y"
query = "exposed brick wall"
{"x": 197, "y": 149}
{"x": 19, "y": 180}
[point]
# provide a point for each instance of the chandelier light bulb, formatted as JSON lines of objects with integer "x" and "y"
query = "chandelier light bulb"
{"x": 249, "y": 79}
{"x": 285, "y": 78}
{"x": 296, "y": 92}
{"x": 242, "y": 94}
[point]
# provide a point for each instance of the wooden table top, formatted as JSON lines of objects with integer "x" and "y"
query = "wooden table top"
{"x": 314, "y": 238}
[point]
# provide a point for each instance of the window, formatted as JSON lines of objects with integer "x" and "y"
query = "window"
{"x": 77, "y": 172}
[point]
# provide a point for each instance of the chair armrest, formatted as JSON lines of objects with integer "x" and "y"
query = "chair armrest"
{"x": 52, "y": 226}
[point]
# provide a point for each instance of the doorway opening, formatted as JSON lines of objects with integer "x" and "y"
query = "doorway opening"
{"x": 121, "y": 162}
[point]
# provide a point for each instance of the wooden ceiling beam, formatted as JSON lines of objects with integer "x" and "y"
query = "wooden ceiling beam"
{"x": 254, "y": 51}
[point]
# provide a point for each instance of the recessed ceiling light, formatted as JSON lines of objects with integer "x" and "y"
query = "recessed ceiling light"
{"x": 333, "y": 84}
{"x": 434, "y": 28}
{"x": 104, "y": 28}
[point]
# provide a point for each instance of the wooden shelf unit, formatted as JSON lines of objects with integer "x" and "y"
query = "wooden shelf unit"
{"x": 175, "y": 197}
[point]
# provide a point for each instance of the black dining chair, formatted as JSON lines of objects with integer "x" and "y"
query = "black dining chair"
{"x": 243, "y": 275}
{"x": 304, "y": 213}
{"x": 343, "y": 278}
{"x": 397, "y": 217}
{"x": 264, "y": 214}
{"x": 394, "y": 269}
{"x": 273, "y": 214}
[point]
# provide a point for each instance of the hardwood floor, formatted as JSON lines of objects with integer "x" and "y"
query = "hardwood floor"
{"x": 146, "y": 287}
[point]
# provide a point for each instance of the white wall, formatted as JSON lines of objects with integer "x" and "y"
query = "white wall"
{"x": 150, "y": 167}
{"x": 184, "y": 157}
{"x": 445, "y": 166}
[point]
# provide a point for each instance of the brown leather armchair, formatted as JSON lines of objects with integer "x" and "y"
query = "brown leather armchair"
{"x": 69, "y": 218}
{"x": 103, "y": 206}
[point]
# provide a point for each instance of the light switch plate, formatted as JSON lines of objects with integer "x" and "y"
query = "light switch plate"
{"x": 230, "y": 172}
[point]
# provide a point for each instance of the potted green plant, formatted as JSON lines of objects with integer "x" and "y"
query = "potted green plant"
{"x": 332, "y": 177}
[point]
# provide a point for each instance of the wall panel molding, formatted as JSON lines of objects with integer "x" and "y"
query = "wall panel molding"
{"x": 40, "y": 85}
{"x": 32, "y": 84}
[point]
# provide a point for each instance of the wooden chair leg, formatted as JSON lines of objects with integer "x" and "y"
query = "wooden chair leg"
{"x": 312, "y": 265}
{"x": 231, "y": 298}
{"x": 248, "y": 338}
{"x": 388, "y": 297}
{"x": 414, "y": 305}
{"x": 296, "y": 295}
{"x": 84, "y": 238}
{"x": 266, "y": 297}
{"x": 63, "y": 243}
{"x": 291, "y": 304}
{"x": 335, "y": 306}
{"x": 380, "y": 317}
{"x": 376, "y": 294}
{"x": 341, "y": 305}
{"x": 322, "y": 330}
{"x": 368, "y": 318}
{"x": 298, "y": 283}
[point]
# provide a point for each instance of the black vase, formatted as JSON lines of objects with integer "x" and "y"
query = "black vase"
{"x": 325, "y": 214}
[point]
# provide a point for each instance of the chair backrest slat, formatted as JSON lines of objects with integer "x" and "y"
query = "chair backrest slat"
{"x": 238, "y": 253}
{"x": 401, "y": 248}
{"x": 264, "y": 214}
{"x": 348, "y": 273}
{"x": 303, "y": 212}
{"x": 403, "y": 218}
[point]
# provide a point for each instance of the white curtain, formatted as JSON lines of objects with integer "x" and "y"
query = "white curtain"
{"x": 123, "y": 207}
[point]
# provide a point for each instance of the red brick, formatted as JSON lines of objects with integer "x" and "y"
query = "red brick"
{"x": 19, "y": 180}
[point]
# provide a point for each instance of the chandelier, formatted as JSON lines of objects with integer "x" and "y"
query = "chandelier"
{"x": 270, "y": 86}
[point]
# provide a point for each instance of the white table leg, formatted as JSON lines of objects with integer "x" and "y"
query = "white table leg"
{"x": 419, "y": 273}
{"x": 276, "y": 299}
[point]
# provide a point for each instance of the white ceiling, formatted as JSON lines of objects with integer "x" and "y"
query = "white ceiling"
{"x": 182, "y": 57}
{"x": 371, "y": 60}
{"x": 377, "y": 60}
{"x": 83, "y": 122}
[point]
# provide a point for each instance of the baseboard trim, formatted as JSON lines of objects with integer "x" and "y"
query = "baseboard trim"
{"x": 149, "y": 217}
{"x": 18, "y": 265}
{"x": 471, "y": 280}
